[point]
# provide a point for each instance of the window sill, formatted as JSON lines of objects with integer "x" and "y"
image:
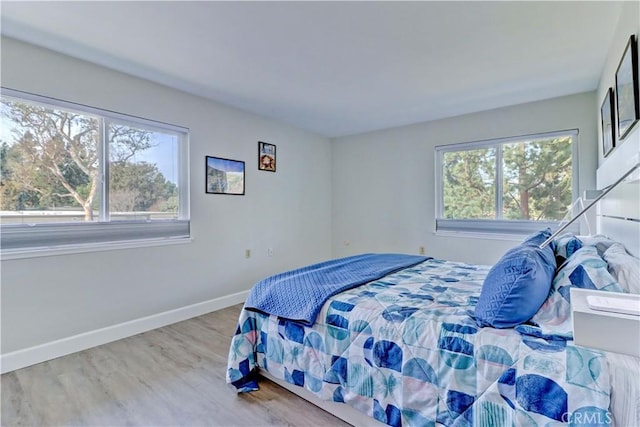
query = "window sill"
{"x": 90, "y": 247}
{"x": 501, "y": 229}
{"x": 485, "y": 236}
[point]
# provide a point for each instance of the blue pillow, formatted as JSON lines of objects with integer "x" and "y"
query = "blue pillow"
{"x": 538, "y": 238}
{"x": 516, "y": 286}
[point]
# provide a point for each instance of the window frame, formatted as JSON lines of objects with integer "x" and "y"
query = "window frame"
{"x": 41, "y": 239}
{"x": 499, "y": 227}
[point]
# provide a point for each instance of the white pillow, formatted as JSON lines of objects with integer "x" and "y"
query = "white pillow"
{"x": 623, "y": 267}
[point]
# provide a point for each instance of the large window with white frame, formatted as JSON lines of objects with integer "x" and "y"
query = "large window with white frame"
{"x": 509, "y": 186}
{"x": 78, "y": 176}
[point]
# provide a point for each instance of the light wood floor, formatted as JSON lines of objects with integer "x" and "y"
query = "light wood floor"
{"x": 172, "y": 376}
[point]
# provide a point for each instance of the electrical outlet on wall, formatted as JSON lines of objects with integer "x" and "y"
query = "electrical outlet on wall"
{"x": 247, "y": 253}
{"x": 421, "y": 250}
{"x": 269, "y": 251}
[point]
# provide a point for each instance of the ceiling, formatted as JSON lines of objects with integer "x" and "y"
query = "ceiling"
{"x": 337, "y": 68}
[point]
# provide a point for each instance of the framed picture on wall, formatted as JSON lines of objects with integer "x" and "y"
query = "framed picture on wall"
{"x": 628, "y": 110}
{"x": 607, "y": 120}
{"x": 224, "y": 176}
{"x": 266, "y": 157}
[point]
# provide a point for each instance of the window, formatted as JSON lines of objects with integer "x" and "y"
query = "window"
{"x": 77, "y": 175}
{"x": 506, "y": 186}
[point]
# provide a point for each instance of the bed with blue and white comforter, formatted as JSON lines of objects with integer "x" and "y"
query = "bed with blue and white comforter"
{"x": 405, "y": 350}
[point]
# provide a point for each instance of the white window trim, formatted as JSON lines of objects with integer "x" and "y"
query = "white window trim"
{"x": 498, "y": 226}
{"x": 46, "y": 239}
{"x": 90, "y": 247}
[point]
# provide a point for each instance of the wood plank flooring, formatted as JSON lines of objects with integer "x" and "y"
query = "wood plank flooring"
{"x": 171, "y": 376}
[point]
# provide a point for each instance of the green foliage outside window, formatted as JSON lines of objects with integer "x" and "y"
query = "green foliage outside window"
{"x": 469, "y": 184}
{"x": 536, "y": 181}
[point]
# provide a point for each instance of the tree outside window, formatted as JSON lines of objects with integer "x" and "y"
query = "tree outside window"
{"x": 527, "y": 179}
{"x": 51, "y": 167}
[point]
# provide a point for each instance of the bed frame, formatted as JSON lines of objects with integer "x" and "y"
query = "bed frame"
{"x": 342, "y": 411}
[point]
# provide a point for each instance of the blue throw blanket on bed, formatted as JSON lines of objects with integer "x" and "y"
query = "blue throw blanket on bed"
{"x": 299, "y": 294}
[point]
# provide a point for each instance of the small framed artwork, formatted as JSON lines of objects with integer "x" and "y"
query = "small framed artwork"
{"x": 224, "y": 176}
{"x": 266, "y": 157}
{"x": 628, "y": 110}
{"x": 606, "y": 119}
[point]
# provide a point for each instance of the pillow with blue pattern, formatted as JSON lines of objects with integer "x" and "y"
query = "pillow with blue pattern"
{"x": 565, "y": 246}
{"x": 583, "y": 269}
{"x": 517, "y": 285}
{"x": 600, "y": 241}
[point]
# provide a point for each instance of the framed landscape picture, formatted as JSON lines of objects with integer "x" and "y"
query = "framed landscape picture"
{"x": 224, "y": 176}
{"x": 266, "y": 157}
{"x": 606, "y": 119}
{"x": 628, "y": 110}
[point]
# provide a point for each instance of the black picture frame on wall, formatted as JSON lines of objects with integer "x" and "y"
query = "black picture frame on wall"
{"x": 266, "y": 157}
{"x": 607, "y": 121}
{"x": 627, "y": 108}
{"x": 224, "y": 176}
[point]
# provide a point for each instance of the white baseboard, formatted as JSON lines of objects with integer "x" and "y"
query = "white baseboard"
{"x": 51, "y": 350}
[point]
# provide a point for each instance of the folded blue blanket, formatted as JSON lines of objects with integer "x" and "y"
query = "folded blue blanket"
{"x": 300, "y": 294}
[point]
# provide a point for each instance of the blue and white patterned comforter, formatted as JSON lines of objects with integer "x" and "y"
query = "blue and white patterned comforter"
{"x": 405, "y": 351}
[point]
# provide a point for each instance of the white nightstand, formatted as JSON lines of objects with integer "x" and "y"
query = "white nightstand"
{"x": 604, "y": 330}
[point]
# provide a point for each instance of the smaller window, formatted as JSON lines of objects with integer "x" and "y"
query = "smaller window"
{"x": 506, "y": 186}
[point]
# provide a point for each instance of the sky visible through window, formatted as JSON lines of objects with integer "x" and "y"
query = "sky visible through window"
{"x": 164, "y": 154}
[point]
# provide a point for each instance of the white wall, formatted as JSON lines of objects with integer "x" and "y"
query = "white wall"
{"x": 628, "y": 24}
{"x": 384, "y": 182}
{"x": 49, "y": 298}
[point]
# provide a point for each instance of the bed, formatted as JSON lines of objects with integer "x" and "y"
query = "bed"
{"x": 407, "y": 349}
